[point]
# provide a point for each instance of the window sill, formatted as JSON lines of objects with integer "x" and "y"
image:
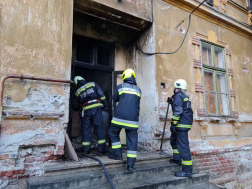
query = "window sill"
{"x": 216, "y": 119}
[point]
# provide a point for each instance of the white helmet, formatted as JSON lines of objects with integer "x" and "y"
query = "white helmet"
{"x": 77, "y": 78}
{"x": 180, "y": 84}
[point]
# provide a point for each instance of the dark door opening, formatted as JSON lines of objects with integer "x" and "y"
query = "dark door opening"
{"x": 94, "y": 61}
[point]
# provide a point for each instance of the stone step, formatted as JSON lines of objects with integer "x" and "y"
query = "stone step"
{"x": 97, "y": 177}
{"x": 201, "y": 181}
{"x": 86, "y": 164}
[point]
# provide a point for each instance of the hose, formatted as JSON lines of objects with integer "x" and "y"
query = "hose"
{"x": 105, "y": 170}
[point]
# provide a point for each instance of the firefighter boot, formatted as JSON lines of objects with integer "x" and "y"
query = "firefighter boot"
{"x": 130, "y": 168}
{"x": 178, "y": 162}
{"x": 86, "y": 150}
{"x": 183, "y": 174}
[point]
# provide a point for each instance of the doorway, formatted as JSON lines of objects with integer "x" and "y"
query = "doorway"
{"x": 94, "y": 61}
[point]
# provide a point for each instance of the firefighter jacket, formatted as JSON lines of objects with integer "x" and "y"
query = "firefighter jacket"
{"x": 182, "y": 111}
{"x": 89, "y": 96}
{"x": 126, "y": 115}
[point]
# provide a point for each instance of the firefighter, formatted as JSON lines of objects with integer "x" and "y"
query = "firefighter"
{"x": 90, "y": 99}
{"x": 181, "y": 123}
{"x": 126, "y": 116}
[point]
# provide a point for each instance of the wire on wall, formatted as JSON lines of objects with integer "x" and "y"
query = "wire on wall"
{"x": 166, "y": 53}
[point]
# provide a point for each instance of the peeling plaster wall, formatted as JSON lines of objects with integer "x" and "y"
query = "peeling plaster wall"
{"x": 180, "y": 65}
{"x": 35, "y": 39}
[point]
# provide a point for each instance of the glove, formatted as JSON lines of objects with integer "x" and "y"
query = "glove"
{"x": 169, "y": 100}
{"x": 173, "y": 129}
{"x": 174, "y": 123}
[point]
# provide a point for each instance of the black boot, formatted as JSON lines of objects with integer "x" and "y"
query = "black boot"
{"x": 178, "y": 162}
{"x": 183, "y": 174}
{"x": 115, "y": 156}
{"x": 130, "y": 168}
{"x": 86, "y": 150}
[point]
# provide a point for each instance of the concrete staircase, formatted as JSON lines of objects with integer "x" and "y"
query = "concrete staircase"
{"x": 149, "y": 173}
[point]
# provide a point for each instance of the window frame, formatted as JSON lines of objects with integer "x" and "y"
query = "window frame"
{"x": 215, "y": 70}
{"x": 94, "y": 62}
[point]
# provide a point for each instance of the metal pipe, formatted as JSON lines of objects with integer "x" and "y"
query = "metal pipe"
{"x": 54, "y": 80}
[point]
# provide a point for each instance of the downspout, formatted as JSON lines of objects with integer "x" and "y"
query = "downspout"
{"x": 54, "y": 80}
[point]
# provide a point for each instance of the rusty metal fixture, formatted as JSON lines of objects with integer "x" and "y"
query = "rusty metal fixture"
{"x": 54, "y": 80}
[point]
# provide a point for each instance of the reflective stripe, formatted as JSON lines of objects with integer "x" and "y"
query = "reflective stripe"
{"x": 175, "y": 151}
{"x": 83, "y": 88}
{"x": 124, "y": 122}
{"x": 176, "y": 118}
{"x": 184, "y": 126}
{"x": 101, "y": 141}
{"x": 103, "y": 98}
{"x": 130, "y": 92}
{"x": 187, "y": 162}
{"x": 131, "y": 152}
{"x": 129, "y": 89}
{"x": 92, "y": 106}
{"x": 131, "y": 155}
{"x": 186, "y": 99}
{"x": 85, "y": 143}
{"x": 116, "y": 146}
{"x": 116, "y": 143}
{"x": 175, "y": 122}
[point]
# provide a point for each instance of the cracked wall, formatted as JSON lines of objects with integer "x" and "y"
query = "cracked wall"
{"x": 35, "y": 39}
{"x": 220, "y": 133}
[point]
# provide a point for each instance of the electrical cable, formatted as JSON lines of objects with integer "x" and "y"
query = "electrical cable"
{"x": 105, "y": 170}
{"x": 189, "y": 24}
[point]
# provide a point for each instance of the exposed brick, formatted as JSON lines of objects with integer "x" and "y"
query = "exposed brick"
{"x": 2, "y": 174}
{"x": 56, "y": 157}
{"x": 46, "y": 158}
{"x": 17, "y": 172}
{"x": 29, "y": 165}
{"x": 39, "y": 158}
{"x": 50, "y": 152}
{"x": 9, "y": 174}
{"x": 29, "y": 159}
{"x": 4, "y": 156}
{"x": 59, "y": 152}
{"x": 23, "y": 176}
{"x": 60, "y": 147}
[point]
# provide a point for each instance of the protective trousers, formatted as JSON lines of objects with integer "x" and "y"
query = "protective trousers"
{"x": 181, "y": 151}
{"x": 131, "y": 140}
{"x": 93, "y": 116}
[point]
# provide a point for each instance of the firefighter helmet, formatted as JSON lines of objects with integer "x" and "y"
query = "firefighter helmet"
{"x": 180, "y": 84}
{"x": 77, "y": 78}
{"x": 128, "y": 73}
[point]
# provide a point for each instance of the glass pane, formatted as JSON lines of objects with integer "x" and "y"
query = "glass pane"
{"x": 211, "y": 103}
{"x": 219, "y": 58}
{"x": 209, "y": 84}
{"x": 206, "y": 54}
{"x": 84, "y": 51}
{"x": 221, "y": 83}
{"x": 223, "y": 103}
{"x": 103, "y": 56}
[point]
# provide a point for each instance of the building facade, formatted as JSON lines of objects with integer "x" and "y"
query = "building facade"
{"x": 98, "y": 39}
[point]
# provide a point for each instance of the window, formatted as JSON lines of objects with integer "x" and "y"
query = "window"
{"x": 215, "y": 80}
{"x": 93, "y": 53}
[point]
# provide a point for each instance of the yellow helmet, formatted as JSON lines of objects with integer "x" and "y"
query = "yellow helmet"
{"x": 128, "y": 73}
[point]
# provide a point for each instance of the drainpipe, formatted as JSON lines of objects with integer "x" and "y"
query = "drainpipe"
{"x": 54, "y": 80}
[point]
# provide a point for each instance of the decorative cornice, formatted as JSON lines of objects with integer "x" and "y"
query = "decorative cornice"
{"x": 210, "y": 14}
{"x": 237, "y": 7}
